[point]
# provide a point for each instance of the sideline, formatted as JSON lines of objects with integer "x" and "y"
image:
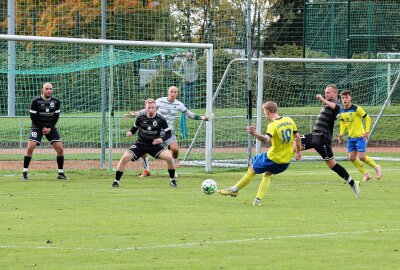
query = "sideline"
{"x": 204, "y": 243}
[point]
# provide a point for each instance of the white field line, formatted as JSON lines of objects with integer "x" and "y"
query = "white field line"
{"x": 203, "y": 243}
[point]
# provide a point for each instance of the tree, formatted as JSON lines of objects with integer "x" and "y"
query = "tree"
{"x": 287, "y": 28}
{"x": 231, "y": 22}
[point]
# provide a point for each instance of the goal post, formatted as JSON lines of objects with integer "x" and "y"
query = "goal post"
{"x": 93, "y": 102}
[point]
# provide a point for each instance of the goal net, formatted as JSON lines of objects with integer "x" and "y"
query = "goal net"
{"x": 97, "y": 81}
{"x": 293, "y": 85}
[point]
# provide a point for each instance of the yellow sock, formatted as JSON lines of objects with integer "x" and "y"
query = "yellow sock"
{"x": 370, "y": 162}
{"x": 264, "y": 185}
{"x": 246, "y": 178}
{"x": 359, "y": 165}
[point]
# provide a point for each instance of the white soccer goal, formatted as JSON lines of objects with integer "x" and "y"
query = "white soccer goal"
{"x": 97, "y": 81}
{"x": 293, "y": 84}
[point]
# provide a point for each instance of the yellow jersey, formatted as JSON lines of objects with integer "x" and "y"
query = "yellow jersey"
{"x": 281, "y": 131}
{"x": 351, "y": 119}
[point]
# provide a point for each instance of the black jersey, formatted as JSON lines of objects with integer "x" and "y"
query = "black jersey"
{"x": 326, "y": 120}
{"x": 149, "y": 128}
{"x": 44, "y": 112}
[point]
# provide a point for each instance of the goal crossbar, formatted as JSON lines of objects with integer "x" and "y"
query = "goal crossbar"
{"x": 106, "y": 42}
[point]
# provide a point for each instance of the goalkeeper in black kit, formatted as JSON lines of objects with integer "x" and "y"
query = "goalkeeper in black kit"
{"x": 45, "y": 112}
{"x": 149, "y": 142}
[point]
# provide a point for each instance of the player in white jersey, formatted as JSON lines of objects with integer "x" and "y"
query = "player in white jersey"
{"x": 168, "y": 107}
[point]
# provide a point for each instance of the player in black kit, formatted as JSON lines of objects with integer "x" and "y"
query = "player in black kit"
{"x": 149, "y": 141}
{"x": 321, "y": 137}
{"x": 44, "y": 113}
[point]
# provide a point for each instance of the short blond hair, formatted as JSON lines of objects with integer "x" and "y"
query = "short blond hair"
{"x": 149, "y": 100}
{"x": 270, "y": 106}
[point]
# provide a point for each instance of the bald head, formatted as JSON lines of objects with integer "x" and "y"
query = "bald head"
{"x": 172, "y": 93}
{"x": 47, "y": 90}
{"x": 189, "y": 56}
{"x": 173, "y": 88}
{"x": 47, "y": 85}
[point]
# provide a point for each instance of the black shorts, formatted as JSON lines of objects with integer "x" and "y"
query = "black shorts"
{"x": 36, "y": 135}
{"x": 319, "y": 143}
{"x": 139, "y": 149}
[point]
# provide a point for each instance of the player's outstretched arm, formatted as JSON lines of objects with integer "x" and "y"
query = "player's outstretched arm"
{"x": 131, "y": 114}
{"x": 328, "y": 103}
{"x": 258, "y": 136}
{"x": 342, "y": 130}
{"x": 367, "y": 127}
{"x": 205, "y": 117}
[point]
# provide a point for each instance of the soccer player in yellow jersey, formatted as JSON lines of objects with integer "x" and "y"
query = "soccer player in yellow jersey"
{"x": 351, "y": 118}
{"x": 281, "y": 132}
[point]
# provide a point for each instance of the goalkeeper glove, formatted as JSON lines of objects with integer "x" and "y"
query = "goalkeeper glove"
{"x": 209, "y": 116}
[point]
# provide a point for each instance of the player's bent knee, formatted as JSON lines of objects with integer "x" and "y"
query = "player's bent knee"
{"x": 331, "y": 163}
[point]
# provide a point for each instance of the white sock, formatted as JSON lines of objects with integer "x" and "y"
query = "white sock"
{"x": 145, "y": 163}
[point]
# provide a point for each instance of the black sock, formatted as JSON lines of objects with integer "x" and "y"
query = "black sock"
{"x": 171, "y": 173}
{"x": 27, "y": 160}
{"x": 118, "y": 175}
{"x": 60, "y": 162}
{"x": 343, "y": 173}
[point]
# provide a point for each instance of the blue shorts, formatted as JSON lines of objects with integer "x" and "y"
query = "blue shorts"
{"x": 356, "y": 144}
{"x": 262, "y": 164}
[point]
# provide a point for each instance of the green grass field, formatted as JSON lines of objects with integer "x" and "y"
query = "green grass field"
{"x": 308, "y": 220}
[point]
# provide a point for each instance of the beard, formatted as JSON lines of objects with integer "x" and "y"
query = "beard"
{"x": 47, "y": 96}
{"x": 151, "y": 114}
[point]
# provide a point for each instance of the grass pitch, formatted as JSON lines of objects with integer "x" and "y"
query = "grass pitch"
{"x": 308, "y": 220}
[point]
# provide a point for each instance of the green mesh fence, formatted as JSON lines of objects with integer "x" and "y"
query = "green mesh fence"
{"x": 351, "y": 29}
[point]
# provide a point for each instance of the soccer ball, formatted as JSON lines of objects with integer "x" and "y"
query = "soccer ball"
{"x": 209, "y": 186}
